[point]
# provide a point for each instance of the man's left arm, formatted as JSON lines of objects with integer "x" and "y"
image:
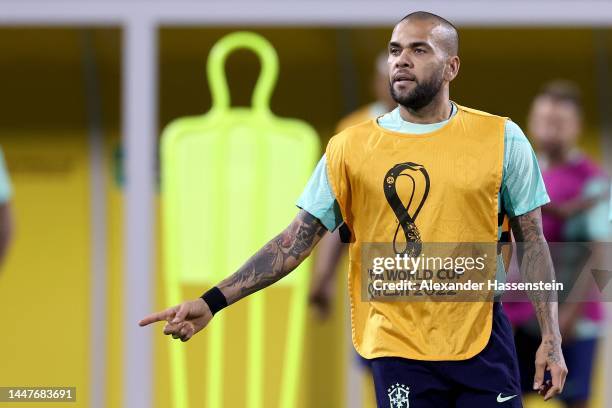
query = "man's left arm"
{"x": 536, "y": 266}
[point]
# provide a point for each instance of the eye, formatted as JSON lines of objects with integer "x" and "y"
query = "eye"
{"x": 394, "y": 51}
{"x": 419, "y": 51}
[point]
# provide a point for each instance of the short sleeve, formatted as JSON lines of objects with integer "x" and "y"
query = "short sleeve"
{"x": 318, "y": 198}
{"x": 523, "y": 188}
{"x": 5, "y": 184}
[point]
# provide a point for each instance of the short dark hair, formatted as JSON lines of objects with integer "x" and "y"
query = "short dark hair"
{"x": 452, "y": 42}
{"x": 562, "y": 90}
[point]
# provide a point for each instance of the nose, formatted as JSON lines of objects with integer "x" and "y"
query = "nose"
{"x": 403, "y": 60}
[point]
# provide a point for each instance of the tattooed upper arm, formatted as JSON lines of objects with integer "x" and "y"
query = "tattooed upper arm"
{"x": 528, "y": 227}
{"x": 276, "y": 259}
{"x": 304, "y": 233}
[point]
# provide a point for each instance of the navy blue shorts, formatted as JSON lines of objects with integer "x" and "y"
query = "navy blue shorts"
{"x": 489, "y": 379}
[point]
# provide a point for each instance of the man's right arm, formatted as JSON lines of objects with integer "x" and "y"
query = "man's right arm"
{"x": 275, "y": 260}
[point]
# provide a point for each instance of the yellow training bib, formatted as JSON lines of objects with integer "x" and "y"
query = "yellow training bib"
{"x": 452, "y": 196}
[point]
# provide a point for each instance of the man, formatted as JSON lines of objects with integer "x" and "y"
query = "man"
{"x": 6, "y": 222}
{"x": 440, "y": 354}
{"x": 577, "y": 213}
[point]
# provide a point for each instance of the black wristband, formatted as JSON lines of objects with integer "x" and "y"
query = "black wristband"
{"x": 214, "y": 299}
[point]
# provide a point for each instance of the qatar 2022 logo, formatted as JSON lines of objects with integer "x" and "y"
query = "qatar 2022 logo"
{"x": 414, "y": 189}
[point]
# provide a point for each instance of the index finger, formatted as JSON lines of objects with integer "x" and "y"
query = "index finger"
{"x": 554, "y": 390}
{"x": 157, "y": 317}
{"x": 557, "y": 383}
{"x": 558, "y": 375}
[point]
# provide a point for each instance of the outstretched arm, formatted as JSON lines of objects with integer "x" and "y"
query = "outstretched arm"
{"x": 276, "y": 259}
{"x": 272, "y": 262}
{"x": 536, "y": 266}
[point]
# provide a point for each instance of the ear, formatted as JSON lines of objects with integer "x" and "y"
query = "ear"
{"x": 452, "y": 68}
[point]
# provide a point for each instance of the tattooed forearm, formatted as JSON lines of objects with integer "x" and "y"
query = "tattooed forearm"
{"x": 536, "y": 266}
{"x": 552, "y": 346}
{"x": 276, "y": 259}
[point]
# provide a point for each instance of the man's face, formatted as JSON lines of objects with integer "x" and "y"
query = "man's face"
{"x": 554, "y": 125}
{"x": 416, "y": 63}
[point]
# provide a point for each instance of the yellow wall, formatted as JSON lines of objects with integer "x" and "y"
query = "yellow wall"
{"x": 45, "y": 284}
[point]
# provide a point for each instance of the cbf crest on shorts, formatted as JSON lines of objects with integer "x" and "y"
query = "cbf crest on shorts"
{"x": 398, "y": 396}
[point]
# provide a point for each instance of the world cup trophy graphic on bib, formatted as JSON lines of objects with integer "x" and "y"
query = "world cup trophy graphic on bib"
{"x": 407, "y": 183}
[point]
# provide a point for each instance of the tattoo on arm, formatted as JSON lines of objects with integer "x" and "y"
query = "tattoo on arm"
{"x": 276, "y": 259}
{"x": 536, "y": 266}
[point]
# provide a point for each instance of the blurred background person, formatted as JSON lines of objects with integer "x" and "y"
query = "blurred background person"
{"x": 6, "y": 221}
{"x": 578, "y": 191}
{"x": 331, "y": 248}
{"x": 380, "y": 90}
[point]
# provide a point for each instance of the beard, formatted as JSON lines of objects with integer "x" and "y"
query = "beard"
{"x": 422, "y": 94}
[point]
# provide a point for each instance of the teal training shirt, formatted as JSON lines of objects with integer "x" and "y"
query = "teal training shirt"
{"x": 522, "y": 187}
